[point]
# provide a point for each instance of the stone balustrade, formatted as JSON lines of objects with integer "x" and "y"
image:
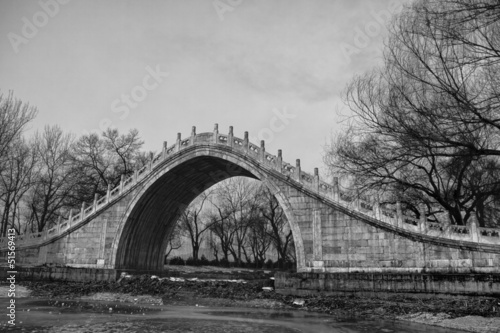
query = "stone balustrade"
{"x": 310, "y": 182}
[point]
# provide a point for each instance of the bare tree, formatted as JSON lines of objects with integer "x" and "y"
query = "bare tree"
{"x": 426, "y": 125}
{"x": 15, "y": 181}
{"x": 237, "y": 196}
{"x": 222, "y": 228}
{"x": 103, "y": 159}
{"x": 14, "y": 116}
{"x": 195, "y": 224}
{"x": 57, "y": 177}
{"x": 258, "y": 238}
{"x": 278, "y": 229}
{"x": 174, "y": 240}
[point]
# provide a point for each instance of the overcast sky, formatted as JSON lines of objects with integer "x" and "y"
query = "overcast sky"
{"x": 164, "y": 66}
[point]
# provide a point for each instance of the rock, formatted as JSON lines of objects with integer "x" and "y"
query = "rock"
{"x": 299, "y": 302}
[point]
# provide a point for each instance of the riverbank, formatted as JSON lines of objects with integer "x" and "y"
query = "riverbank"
{"x": 245, "y": 288}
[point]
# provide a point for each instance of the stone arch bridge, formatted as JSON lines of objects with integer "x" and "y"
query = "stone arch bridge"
{"x": 127, "y": 229}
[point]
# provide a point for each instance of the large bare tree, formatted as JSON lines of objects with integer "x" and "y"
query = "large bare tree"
{"x": 426, "y": 124}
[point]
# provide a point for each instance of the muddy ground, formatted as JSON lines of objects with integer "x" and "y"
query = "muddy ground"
{"x": 209, "y": 286}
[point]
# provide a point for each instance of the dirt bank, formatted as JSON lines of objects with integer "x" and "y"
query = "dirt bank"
{"x": 474, "y": 314}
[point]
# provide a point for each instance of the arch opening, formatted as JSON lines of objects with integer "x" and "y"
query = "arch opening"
{"x": 152, "y": 215}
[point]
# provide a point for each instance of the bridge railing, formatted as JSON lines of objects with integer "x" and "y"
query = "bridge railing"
{"x": 312, "y": 182}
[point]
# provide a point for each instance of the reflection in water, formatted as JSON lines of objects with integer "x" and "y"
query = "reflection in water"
{"x": 95, "y": 316}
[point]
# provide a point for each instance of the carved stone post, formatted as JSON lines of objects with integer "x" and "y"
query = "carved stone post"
{"x": 230, "y": 137}
{"x": 316, "y": 180}
{"x": 399, "y": 214}
{"x": 59, "y": 220}
{"x": 193, "y": 135}
{"x": 216, "y": 133}
{"x": 279, "y": 161}
{"x": 178, "y": 142}
{"x": 108, "y": 193}
{"x": 121, "y": 183}
{"x": 335, "y": 189}
{"x": 245, "y": 141}
{"x": 474, "y": 230}
{"x": 376, "y": 208}
{"x": 262, "y": 153}
{"x": 422, "y": 224}
{"x": 357, "y": 200}
{"x": 96, "y": 197}
{"x": 298, "y": 171}
{"x": 164, "y": 151}
{"x": 82, "y": 213}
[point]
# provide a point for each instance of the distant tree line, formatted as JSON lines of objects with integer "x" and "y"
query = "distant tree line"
{"x": 241, "y": 222}
{"x": 424, "y": 127}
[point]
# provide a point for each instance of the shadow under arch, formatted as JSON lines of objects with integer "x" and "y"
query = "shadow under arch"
{"x": 151, "y": 215}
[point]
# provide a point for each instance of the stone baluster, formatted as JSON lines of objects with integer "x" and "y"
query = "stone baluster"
{"x": 474, "y": 230}
{"x": 279, "y": 161}
{"x": 262, "y": 153}
{"x": 59, "y": 220}
{"x": 216, "y": 133}
{"x": 121, "y": 183}
{"x": 108, "y": 193}
{"x": 335, "y": 189}
{"x": 422, "y": 223}
{"x": 96, "y": 197}
{"x": 193, "y": 135}
{"x": 230, "y": 137}
{"x": 316, "y": 180}
{"x": 376, "y": 208}
{"x": 151, "y": 158}
{"x": 164, "y": 151}
{"x": 136, "y": 175}
{"x": 245, "y": 141}
{"x": 298, "y": 171}
{"x": 82, "y": 212}
{"x": 178, "y": 142}
{"x": 357, "y": 200}
{"x": 399, "y": 214}
{"x": 447, "y": 227}
{"x": 70, "y": 218}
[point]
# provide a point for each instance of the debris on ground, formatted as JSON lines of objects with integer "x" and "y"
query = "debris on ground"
{"x": 299, "y": 302}
{"x": 177, "y": 288}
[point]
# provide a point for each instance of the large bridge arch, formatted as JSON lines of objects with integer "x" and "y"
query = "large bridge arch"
{"x": 141, "y": 238}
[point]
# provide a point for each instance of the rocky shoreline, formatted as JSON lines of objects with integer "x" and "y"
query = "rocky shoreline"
{"x": 473, "y": 314}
